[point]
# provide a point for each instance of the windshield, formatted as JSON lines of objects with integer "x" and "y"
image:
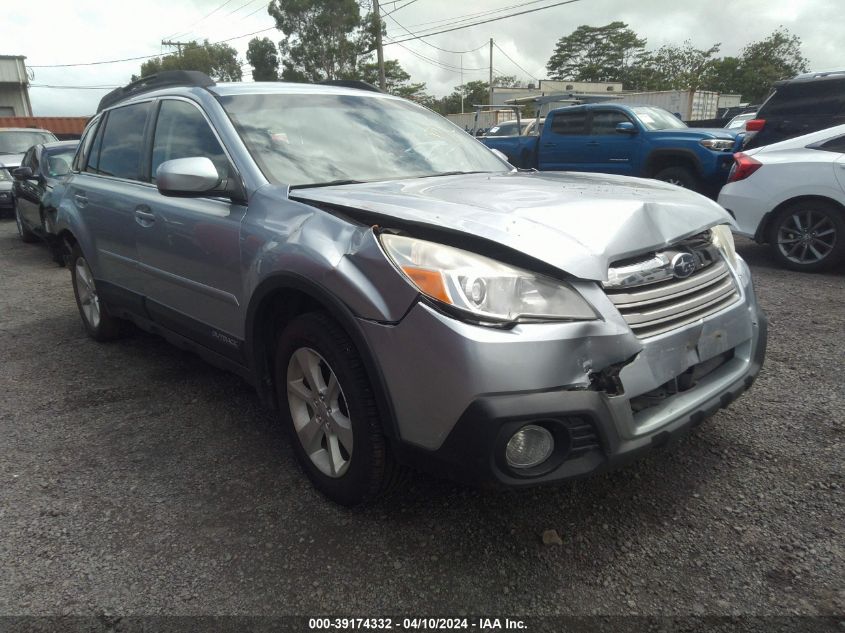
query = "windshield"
{"x": 508, "y": 128}
{"x": 739, "y": 121}
{"x": 658, "y": 118}
{"x": 17, "y": 142}
{"x": 304, "y": 140}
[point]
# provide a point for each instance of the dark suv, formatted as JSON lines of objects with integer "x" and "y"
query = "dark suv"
{"x": 807, "y": 103}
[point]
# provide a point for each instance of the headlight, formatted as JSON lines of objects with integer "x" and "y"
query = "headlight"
{"x": 481, "y": 286}
{"x": 718, "y": 144}
{"x": 724, "y": 241}
{"x": 4, "y": 175}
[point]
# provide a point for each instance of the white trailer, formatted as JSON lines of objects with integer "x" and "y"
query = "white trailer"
{"x": 692, "y": 105}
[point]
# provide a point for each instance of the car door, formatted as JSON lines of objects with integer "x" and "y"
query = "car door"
{"x": 27, "y": 191}
{"x": 108, "y": 194}
{"x": 563, "y": 143}
{"x": 190, "y": 247}
{"x": 610, "y": 151}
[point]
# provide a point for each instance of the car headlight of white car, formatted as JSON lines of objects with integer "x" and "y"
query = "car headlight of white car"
{"x": 484, "y": 288}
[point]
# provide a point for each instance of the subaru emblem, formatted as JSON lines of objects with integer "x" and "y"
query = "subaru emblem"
{"x": 683, "y": 265}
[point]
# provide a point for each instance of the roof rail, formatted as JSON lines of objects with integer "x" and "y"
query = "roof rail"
{"x": 154, "y": 82}
{"x": 350, "y": 83}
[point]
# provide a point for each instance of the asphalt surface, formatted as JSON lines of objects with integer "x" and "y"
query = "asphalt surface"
{"x": 135, "y": 480}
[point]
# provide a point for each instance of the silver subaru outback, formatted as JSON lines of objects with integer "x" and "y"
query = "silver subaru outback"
{"x": 400, "y": 294}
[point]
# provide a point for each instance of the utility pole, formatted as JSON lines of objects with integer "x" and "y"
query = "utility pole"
{"x": 382, "y": 84}
{"x": 490, "y": 85}
{"x": 178, "y": 45}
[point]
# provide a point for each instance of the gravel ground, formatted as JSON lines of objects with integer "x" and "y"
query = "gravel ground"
{"x": 136, "y": 480}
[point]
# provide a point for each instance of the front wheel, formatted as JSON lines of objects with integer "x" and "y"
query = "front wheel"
{"x": 809, "y": 236}
{"x": 328, "y": 407}
{"x": 679, "y": 176}
{"x": 98, "y": 322}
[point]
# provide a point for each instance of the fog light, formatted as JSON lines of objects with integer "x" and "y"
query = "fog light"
{"x": 530, "y": 446}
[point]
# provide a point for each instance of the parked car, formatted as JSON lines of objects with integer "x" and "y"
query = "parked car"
{"x": 15, "y": 141}
{"x": 399, "y": 293}
{"x": 37, "y": 189}
{"x": 791, "y": 195}
{"x": 6, "y": 203}
{"x": 643, "y": 141}
{"x": 738, "y": 122}
{"x": 507, "y": 128}
{"x": 807, "y": 103}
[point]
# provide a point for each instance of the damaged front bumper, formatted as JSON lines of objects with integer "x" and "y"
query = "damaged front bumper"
{"x": 460, "y": 391}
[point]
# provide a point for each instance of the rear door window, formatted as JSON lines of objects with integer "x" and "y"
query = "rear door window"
{"x": 570, "y": 123}
{"x": 121, "y": 148}
{"x": 812, "y": 98}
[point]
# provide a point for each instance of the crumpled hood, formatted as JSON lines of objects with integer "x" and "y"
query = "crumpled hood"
{"x": 577, "y": 223}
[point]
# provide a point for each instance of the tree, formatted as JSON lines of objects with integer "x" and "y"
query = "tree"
{"x": 596, "y": 53}
{"x": 263, "y": 57}
{"x": 398, "y": 81}
{"x": 684, "y": 67}
{"x": 764, "y": 62}
{"x": 324, "y": 39}
{"x": 218, "y": 61}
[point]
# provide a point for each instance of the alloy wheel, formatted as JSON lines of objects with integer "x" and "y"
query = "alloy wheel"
{"x": 319, "y": 411}
{"x": 806, "y": 237}
{"x": 88, "y": 299}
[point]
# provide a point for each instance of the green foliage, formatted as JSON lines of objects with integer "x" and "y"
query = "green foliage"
{"x": 683, "y": 67}
{"x": 263, "y": 57}
{"x": 764, "y": 62}
{"x": 596, "y": 53}
{"x": 218, "y": 61}
{"x": 398, "y": 81}
{"x": 324, "y": 39}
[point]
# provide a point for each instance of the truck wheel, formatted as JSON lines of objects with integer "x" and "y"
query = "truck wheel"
{"x": 809, "y": 236}
{"x": 329, "y": 410}
{"x": 98, "y": 322}
{"x": 679, "y": 176}
{"x": 24, "y": 233}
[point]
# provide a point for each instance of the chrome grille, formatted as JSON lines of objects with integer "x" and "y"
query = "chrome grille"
{"x": 660, "y": 307}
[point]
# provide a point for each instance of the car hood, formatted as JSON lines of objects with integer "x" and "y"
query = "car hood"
{"x": 578, "y": 223}
{"x": 10, "y": 161}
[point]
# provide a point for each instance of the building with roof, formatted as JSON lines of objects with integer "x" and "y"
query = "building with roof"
{"x": 14, "y": 87}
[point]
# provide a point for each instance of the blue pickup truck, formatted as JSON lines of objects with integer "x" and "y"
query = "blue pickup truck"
{"x": 634, "y": 140}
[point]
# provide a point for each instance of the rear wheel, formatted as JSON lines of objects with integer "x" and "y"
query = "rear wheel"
{"x": 98, "y": 322}
{"x": 24, "y": 233}
{"x": 809, "y": 235}
{"x": 328, "y": 407}
{"x": 679, "y": 176}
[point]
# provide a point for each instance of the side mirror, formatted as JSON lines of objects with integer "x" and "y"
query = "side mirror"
{"x": 23, "y": 173}
{"x": 626, "y": 127}
{"x": 187, "y": 177}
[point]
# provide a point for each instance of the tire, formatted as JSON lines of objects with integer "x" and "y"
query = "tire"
{"x": 24, "y": 233}
{"x": 679, "y": 176}
{"x": 96, "y": 319}
{"x": 335, "y": 429}
{"x": 808, "y": 235}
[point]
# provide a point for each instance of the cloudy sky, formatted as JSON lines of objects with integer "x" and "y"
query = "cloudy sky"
{"x": 50, "y": 33}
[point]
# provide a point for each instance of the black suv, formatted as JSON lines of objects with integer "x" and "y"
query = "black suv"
{"x": 809, "y": 102}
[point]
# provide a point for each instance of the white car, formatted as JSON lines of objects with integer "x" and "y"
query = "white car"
{"x": 791, "y": 195}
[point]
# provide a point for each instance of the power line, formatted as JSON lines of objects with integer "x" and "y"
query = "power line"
{"x": 496, "y": 19}
{"x": 440, "y": 64}
{"x": 514, "y": 63}
{"x": 395, "y": 8}
{"x": 73, "y": 87}
{"x": 468, "y": 16}
{"x": 207, "y": 15}
{"x": 256, "y": 11}
{"x": 445, "y": 50}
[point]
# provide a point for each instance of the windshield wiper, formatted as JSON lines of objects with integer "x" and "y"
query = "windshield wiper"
{"x": 327, "y": 184}
{"x": 454, "y": 173}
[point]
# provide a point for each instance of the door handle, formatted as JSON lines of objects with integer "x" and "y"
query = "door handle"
{"x": 592, "y": 143}
{"x": 81, "y": 199}
{"x": 144, "y": 216}
{"x": 549, "y": 144}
